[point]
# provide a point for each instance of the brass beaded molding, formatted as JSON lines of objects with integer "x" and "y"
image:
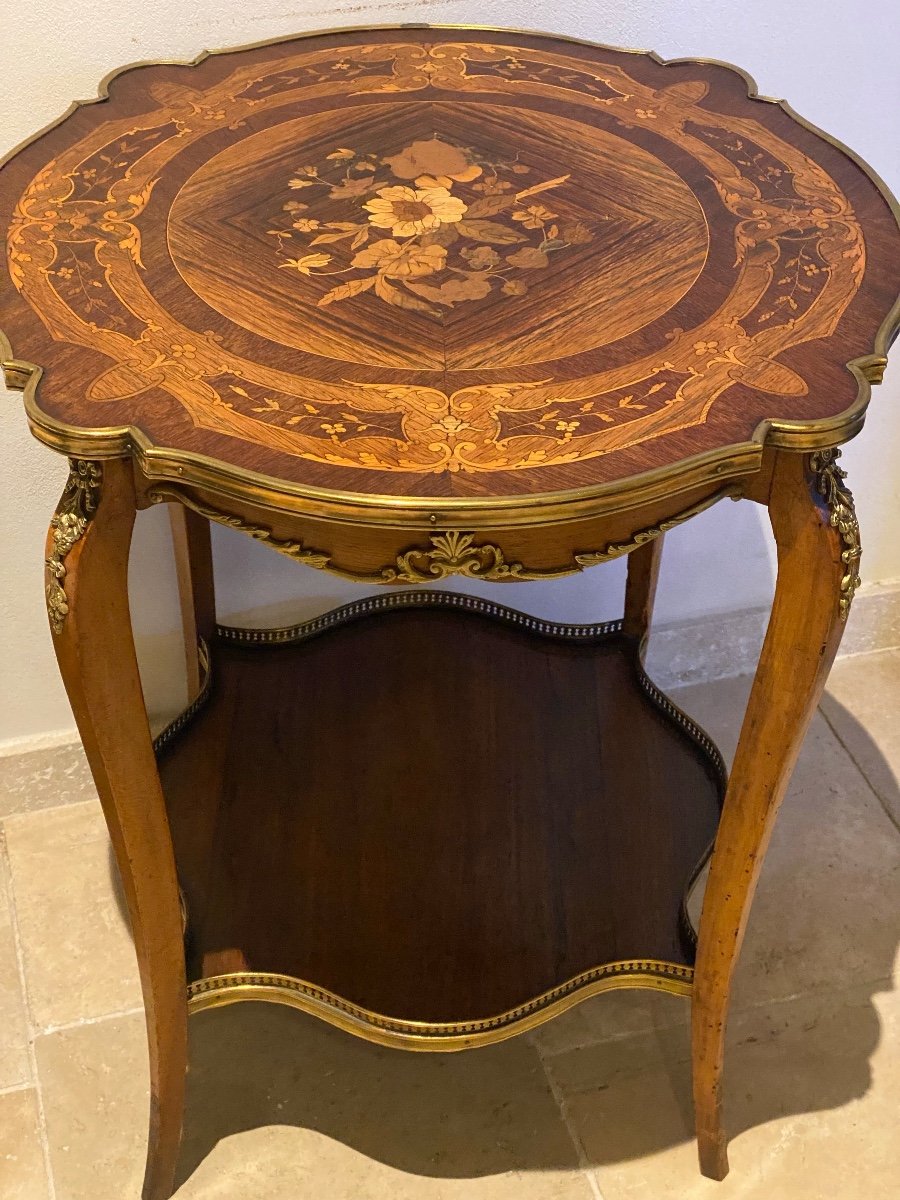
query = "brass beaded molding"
{"x": 399, "y": 600}
{"x": 218, "y": 990}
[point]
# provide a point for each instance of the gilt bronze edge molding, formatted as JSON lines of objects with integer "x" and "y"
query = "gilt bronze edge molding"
{"x": 162, "y": 466}
{"x": 219, "y": 990}
{"x": 451, "y": 552}
{"x": 641, "y": 537}
{"x": 829, "y": 482}
{"x": 75, "y": 510}
{"x": 159, "y": 465}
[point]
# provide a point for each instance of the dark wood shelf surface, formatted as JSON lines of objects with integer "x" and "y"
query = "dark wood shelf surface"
{"x": 435, "y": 808}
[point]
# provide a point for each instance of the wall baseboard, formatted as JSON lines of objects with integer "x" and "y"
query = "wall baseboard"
{"x": 721, "y": 645}
{"x": 715, "y": 646}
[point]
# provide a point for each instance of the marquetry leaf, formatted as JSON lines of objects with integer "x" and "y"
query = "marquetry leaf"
{"x": 401, "y": 299}
{"x": 489, "y": 231}
{"x": 345, "y": 290}
{"x": 489, "y": 206}
{"x": 541, "y": 187}
{"x": 332, "y": 237}
{"x": 527, "y": 258}
{"x": 474, "y": 288}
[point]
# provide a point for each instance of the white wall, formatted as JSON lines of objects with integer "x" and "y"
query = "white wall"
{"x": 836, "y": 65}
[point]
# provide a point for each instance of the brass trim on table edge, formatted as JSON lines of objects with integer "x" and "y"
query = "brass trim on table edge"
{"x": 182, "y": 468}
{"x": 452, "y": 551}
{"x": 176, "y": 466}
{"x": 219, "y": 990}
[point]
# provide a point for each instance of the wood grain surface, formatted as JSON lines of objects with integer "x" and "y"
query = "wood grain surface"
{"x": 426, "y": 263}
{"x": 408, "y": 811}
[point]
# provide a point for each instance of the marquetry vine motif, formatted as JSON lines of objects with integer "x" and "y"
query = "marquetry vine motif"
{"x": 431, "y": 227}
{"x": 77, "y": 506}
{"x": 433, "y": 239}
{"x": 830, "y": 484}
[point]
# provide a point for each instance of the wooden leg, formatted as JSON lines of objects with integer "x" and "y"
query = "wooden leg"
{"x": 87, "y": 595}
{"x": 640, "y": 587}
{"x": 196, "y": 589}
{"x": 818, "y": 552}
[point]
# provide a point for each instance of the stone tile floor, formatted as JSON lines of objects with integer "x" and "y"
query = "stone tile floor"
{"x": 594, "y": 1105}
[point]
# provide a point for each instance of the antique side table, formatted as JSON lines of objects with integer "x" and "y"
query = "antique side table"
{"x": 402, "y": 304}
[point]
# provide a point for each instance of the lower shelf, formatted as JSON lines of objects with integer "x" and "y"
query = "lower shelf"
{"x": 451, "y": 819}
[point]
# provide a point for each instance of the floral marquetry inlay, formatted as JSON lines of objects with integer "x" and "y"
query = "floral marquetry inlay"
{"x": 425, "y": 229}
{"x": 440, "y": 264}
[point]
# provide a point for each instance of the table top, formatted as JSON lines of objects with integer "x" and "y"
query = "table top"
{"x": 444, "y": 266}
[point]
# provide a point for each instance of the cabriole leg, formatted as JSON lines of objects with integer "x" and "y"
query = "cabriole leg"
{"x": 640, "y": 588}
{"x": 817, "y": 538}
{"x": 194, "y": 567}
{"x": 87, "y": 599}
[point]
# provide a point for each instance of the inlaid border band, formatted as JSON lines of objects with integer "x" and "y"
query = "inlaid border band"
{"x": 162, "y": 463}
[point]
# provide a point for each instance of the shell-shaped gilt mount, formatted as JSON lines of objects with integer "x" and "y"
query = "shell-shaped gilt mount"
{"x": 77, "y": 506}
{"x": 830, "y": 484}
{"x": 456, "y": 553}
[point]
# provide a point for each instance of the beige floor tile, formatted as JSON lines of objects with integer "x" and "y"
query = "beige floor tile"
{"x": 14, "y": 1063}
{"x": 79, "y": 958}
{"x": 610, "y": 1017}
{"x": 44, "y": 779}
{"x": 862, "y": 705}
{"x": 95, "y": 1091}
{"x": 812, "y": 1089}
{"x": 282, "y": 1106}
{"x": 22, "y": 1173}
{"x": 827, "y": 911}
{"x": 277, "y": 1163}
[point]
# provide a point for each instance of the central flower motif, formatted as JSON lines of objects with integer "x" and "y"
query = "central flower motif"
{"x": 401, "y": 262}
{"x": 409, "y": 211}
{"x": 434, "y": 158}
{"x": 432, "y": 227}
